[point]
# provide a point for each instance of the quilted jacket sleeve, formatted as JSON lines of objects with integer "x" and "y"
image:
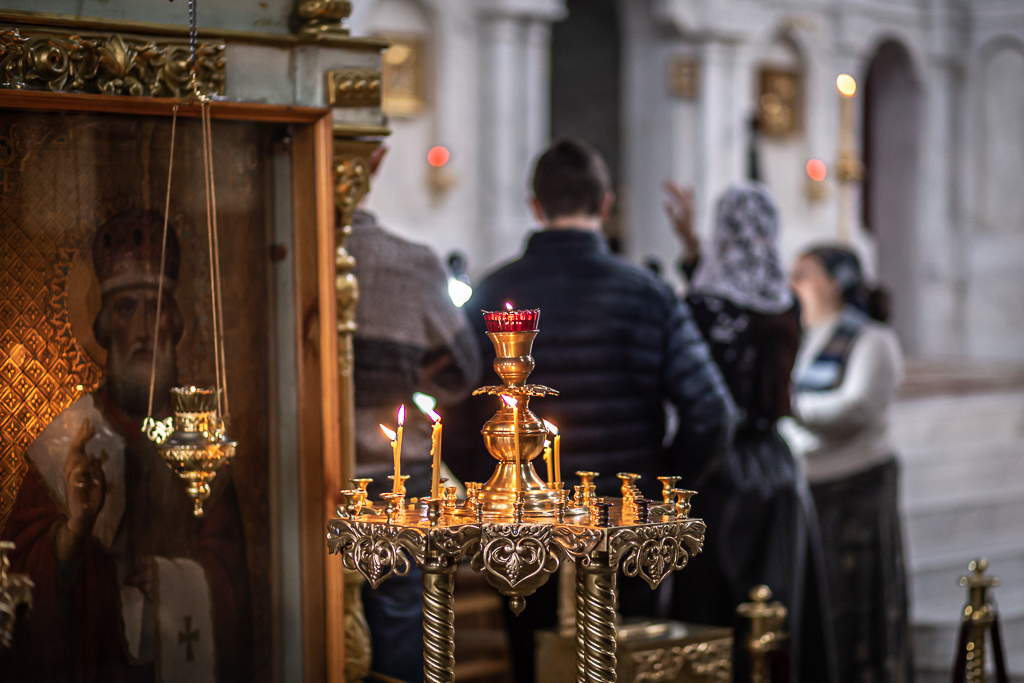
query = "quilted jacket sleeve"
{"x": 694, "y": 384}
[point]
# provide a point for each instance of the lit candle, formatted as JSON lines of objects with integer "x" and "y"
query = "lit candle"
{"x": 557, "y": 451}
{"x": 435, "y": 450}
{"x": 547, "y": 461}
{"x": 398, "y": 450}
{"x": 393, "y": 438}
{"x": 514, "y": 405}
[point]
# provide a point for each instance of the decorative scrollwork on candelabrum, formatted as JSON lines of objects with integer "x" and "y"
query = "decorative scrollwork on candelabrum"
{"x": 376, "y": 551}
{"x": 380, "y": 551}
{"x": 108, "y": 65}
{"x": 517, "y": 559}
{"x": 654, "y": 552}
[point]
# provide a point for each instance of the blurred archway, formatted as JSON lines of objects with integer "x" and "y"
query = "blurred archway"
{"x": 892, "y": 122}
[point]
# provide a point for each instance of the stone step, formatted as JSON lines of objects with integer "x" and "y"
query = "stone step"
{"x": 949, "y": 420}
{"x": 963, "y": 473}
{"x": 968, "y": 529}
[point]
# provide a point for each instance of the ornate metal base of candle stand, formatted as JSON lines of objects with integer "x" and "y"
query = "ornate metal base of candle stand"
{"x": 517, "y": 558}
{"x": 648, "y": 652}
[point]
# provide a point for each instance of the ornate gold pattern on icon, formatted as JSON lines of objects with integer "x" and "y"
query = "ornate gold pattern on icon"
{"x": 43, "y": 369}
{"x": 106, "y": 64}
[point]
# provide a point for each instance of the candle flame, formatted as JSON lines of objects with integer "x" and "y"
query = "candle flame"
{"x": 847, "y": 85}
{"x": 388, "y": 433}
{"x": 509, "y": 401}
{"x": 551, "y": 427}
{"x": 401, "y": 416}
{"x": 433, "y": 415}
{"x": 508, "y": 305}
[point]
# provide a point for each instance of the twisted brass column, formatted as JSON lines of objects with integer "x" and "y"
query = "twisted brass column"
{"x": 597, "y": 579}
{"x": 439, "y": 621}
{"x": 581, "y": 627}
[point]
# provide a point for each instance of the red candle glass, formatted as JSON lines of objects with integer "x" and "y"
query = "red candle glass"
{"x": 512, "y": 321}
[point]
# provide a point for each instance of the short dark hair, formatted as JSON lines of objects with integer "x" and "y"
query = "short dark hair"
{"x": 570, "y": 178}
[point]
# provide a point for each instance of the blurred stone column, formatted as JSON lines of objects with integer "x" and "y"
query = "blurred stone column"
{"x": 515, "y": 111}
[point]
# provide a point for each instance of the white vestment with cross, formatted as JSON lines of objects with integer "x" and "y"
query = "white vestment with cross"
{"x": 185, "y": 648}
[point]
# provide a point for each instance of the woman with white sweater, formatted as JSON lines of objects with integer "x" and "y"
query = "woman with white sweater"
{"x": 846, "y": 375}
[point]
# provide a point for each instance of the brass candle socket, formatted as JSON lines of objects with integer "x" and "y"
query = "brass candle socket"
{"x": 401, "y": 485}
{"x": 667, "y": 485}
{"x": 433, "y": 510}
{"x": 350, "y": 505}
{"x": 198, "y": 447}
{"x": 683, "y": 501}
{"x": 395, "y": 510}
{"x": 363, "y": 499}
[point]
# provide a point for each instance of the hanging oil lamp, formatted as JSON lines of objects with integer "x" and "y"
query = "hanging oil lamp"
{"x": 193, "y": 442}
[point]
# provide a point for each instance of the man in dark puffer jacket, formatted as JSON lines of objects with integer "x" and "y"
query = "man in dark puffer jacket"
{"x": 614, "y": 341}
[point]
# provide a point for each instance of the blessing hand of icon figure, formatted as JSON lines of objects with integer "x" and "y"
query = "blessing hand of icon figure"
{"x": 84, "y": 483}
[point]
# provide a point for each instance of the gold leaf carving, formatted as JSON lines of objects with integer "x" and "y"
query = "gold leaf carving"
{"x": 109, "y": 65}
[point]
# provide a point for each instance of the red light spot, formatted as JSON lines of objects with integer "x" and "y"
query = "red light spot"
{"x": 816, "y": 169}
{"x": 438, "y": 156}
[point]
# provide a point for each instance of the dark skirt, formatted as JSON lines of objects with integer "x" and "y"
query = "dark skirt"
{"x": 860, "y": 527}
{"x": 761, "y": 529}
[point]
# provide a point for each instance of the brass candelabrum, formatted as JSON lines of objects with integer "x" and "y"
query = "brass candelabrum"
{"x": 193, "y": 442}
{"x": 766, "y": 631}
{"x": 518, "y": 533}
{"x": 980, "y": 621}
{"x": 513, "y": 363}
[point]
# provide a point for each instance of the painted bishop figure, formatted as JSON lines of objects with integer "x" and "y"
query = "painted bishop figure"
{"x": 130, "y": 586}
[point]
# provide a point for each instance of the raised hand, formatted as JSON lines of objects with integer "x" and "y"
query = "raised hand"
{"x": 84, "y": 483}
{"x": 679, "y": 208}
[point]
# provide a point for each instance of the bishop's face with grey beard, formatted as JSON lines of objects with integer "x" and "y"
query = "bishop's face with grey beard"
{"x": 125, "y": 326}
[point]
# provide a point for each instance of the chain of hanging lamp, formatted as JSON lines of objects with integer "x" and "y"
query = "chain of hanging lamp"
{"x": 213, "y": 243}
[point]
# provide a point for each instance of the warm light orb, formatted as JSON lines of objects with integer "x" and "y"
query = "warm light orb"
{"x": 847, "y": 85}
{"x": 816, "y": 169}
{"x": 438, "y": 156}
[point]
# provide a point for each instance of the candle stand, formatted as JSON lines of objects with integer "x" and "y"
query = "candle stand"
{"x": 517, "y": 530}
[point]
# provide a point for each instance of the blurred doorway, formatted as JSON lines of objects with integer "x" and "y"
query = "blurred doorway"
{"x": 585, "y": 84}
{"x": 892, "y": 114}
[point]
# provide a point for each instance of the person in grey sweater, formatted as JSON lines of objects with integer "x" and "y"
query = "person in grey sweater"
{"x": 409, "y": 337}
{"x": 846, "y": 376}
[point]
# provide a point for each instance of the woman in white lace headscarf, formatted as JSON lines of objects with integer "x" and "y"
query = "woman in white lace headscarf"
{"x": 744, "y": 266}
{"x": 753, "y": 497}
